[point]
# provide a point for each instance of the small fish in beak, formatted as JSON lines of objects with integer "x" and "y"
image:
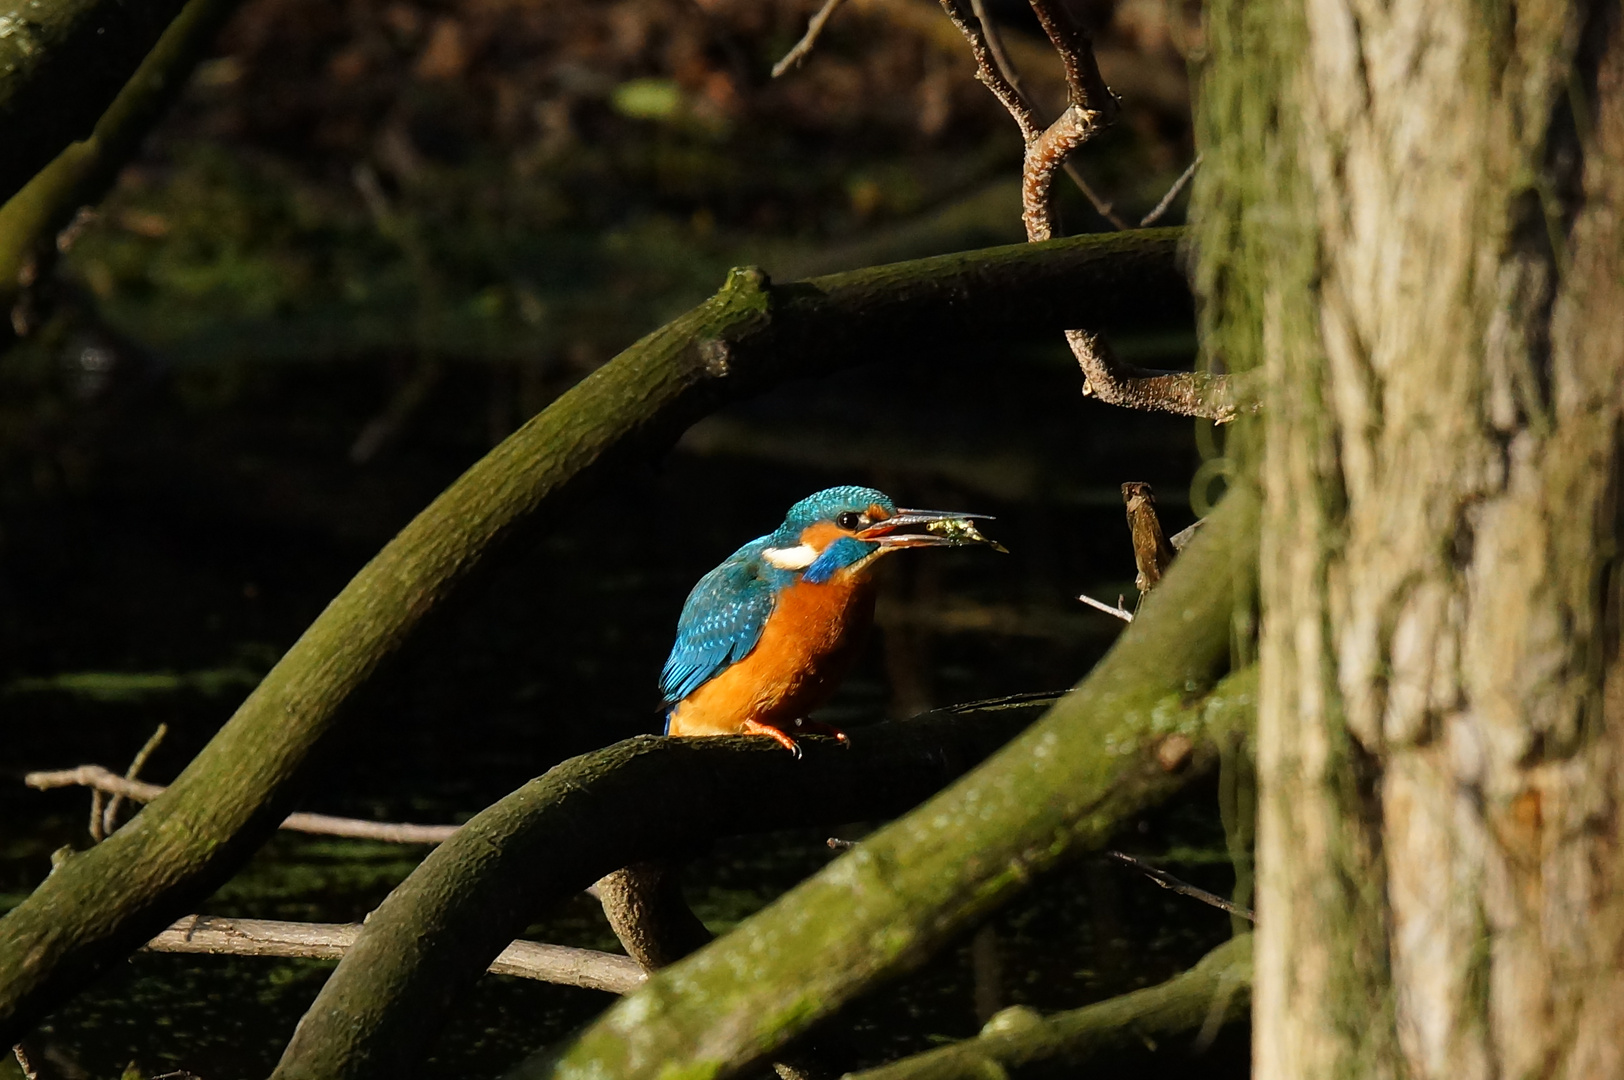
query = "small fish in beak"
{"x": 930, "y": 528}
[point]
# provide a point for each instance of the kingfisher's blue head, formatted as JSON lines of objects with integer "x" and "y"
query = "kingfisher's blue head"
{"x": 840, "y": 527}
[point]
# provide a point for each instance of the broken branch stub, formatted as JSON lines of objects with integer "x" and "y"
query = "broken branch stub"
{"x": 1152, "y": 554}
{"x": 646, "y": 909}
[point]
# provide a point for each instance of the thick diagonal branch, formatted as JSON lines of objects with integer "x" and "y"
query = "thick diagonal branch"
{"x": 100, "y": 905}
{"x": 61, "y": 63}
{"x": 83, "y": 160}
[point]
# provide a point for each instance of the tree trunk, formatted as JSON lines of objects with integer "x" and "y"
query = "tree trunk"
{"x": 1409, "y": 219}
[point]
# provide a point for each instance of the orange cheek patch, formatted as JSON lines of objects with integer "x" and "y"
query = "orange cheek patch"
{"x": 876, "y": 512}
{"x": 821, "y": 534}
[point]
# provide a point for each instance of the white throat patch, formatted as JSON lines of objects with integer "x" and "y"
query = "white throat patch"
{"x": 798, "y": 557}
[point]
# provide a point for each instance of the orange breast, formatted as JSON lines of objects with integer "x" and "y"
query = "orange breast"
{"x": 809, "y": 642}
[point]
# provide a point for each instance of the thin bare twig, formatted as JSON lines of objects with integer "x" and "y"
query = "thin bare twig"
{"x": 1102, "y": 206}
{"x": 1119, "y": 611}
{"x": 98, "y": 813}
{"x": 1006, "y": 67}
{"x": 991, "y": 75}
{"x": 1172, "y": 193}
{"x": 809, "y": 40}
{"x": 329, "y": 941}
{"x": 99, "y": 779}
{"x": 1183, "y": 888}
{"x": 137, "y": 763}
{"x": 1071, "y": 39}
{"x": 25, "y": 1062}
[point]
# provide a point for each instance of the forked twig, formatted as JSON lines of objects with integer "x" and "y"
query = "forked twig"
{"x": 1006, "y": 66}
{"x": 1071, "y": 39}
{"x": 992, "y": 75}
{"x": 809, "y": 40}
{"x": 1091, "y": 107}
{"x": 1183, "y": 888}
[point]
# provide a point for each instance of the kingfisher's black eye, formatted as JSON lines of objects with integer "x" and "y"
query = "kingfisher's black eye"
{"x": 850, "y": 520}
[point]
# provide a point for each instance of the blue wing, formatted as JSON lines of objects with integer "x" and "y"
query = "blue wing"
{"x": 721, "y": 622}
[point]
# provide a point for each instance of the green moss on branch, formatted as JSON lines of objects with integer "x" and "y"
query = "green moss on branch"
{"x": 101, "y": 905}
{"x": 1218, "y": 990}
{"x": 81, "y": 174}
{"x": 61, "y": 63}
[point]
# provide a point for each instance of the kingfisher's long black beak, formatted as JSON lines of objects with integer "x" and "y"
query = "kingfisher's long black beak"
{"x": 927, "y": 528}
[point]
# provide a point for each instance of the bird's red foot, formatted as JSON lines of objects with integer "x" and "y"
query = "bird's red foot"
{"x": 818, "y": 727}
{"x": 756, "y": 727}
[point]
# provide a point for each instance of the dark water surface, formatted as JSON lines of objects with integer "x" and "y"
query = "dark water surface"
{"x": 175, "y": 534}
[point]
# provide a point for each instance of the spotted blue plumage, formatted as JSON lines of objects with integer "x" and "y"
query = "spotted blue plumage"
{"x": 725, "y": 614}
{"x": 722, "y": 620}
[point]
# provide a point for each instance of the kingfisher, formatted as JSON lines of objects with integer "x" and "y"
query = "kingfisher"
{"x": 765, "y": 637}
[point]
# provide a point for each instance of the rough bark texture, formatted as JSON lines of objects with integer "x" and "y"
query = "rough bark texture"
{"x": 83, "y": 171}
{"x": 1411, "y": 215}
{"x": 1214, "y": 992}
{"x": 100, "y": 905}
{"x": 1060, "y": 788}
{"x": 640, "y": 799}
{"x": 646, "y": 910}
{"x": 61, "y": 63}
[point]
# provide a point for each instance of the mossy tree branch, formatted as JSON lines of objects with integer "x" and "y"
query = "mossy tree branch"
{"x": 640, "y": 799}
{"x": 1216, "y": 991}
{"x": 61, "y": 63}
{"x": 82, "y": 173}
{"x": 101, "y": 905}
{"x": 1100, "y": 755}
